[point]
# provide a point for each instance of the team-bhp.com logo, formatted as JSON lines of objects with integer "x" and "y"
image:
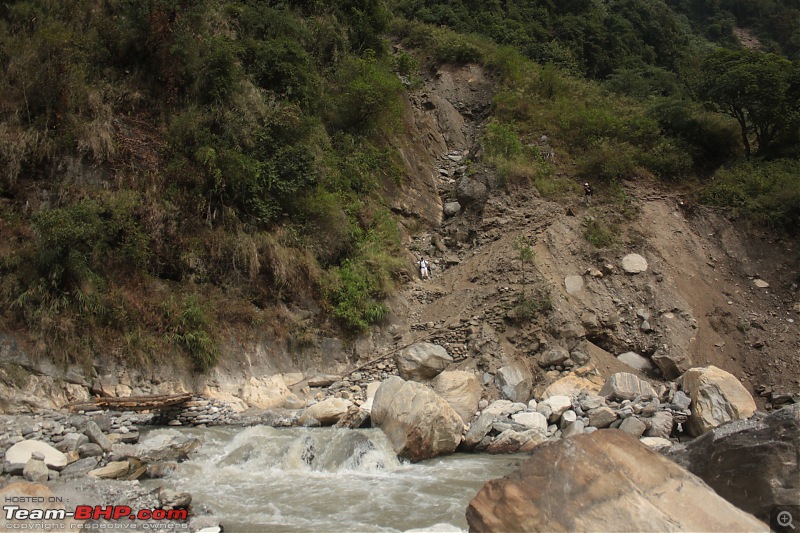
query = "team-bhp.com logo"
{"x": 88, "y": 512}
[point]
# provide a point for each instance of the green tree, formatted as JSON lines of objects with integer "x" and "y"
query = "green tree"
{"x": 755, "y": 89}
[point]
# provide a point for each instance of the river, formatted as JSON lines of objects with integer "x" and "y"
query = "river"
{"x": 328, "y": 480}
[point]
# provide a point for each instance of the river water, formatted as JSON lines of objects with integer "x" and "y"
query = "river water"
{"x": 328, "y": 480}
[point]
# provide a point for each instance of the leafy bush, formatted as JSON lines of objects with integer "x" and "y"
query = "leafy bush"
{"x": 598, "y": 233}
{"x": 368, "y": 97}
{"x": 767, "y": 193}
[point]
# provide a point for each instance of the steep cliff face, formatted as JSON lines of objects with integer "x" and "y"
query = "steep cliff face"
{"x": 708, "y": 294}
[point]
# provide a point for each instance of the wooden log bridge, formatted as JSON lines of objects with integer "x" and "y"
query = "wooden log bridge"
{"x": 132, "y": 403}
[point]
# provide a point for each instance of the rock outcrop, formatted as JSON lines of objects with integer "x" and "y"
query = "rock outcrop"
{"x": 605, "y": 481}
{"x": 717, "y": 397}
{"x": 419, "y": 424}
{"x": 751, "y": 463}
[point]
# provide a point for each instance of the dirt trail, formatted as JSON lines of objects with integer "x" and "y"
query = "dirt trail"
{"x": 698, "y": 296}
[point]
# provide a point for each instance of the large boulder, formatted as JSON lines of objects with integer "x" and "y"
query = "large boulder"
{"x": 328, "y": 412}
{"x": 751, "y": 463}
{"x": 634, "y": 264}
{"x": 479, "y": 428}
{"x": 462, "y": 390}
{"x": 515, "y": 381}
{"x": 625, "y": 386}
{"x": 160, "y": 446}
{"x": 422, "y": 361}
{"x": 469, "y": 191}
{"x": 572, "y": 385}
{"x": 672, "y": 363}
{"x": 418, "y": 422}
{"x": 603, "y": 481}
{"x": 717, "y": 397}
{"x": 22, "y": 451}
{"x": 553, "y": 357}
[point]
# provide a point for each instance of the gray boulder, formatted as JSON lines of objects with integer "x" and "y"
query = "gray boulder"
{"x": 515, "y": 382}
{"x": 602, "y": 417}
{"x": 479, "y": 428}
{"x": 418, "y": 422}
{"x": 717, "y": 397}
{"x": 634, "y": 360}
{"x": 422, "y": 361}
{"x": 35, "y": 470}
{"x": 451, "y": 209}
{"x": 751, "y": 463}
{"x": 659, "y": 425}
{"x": 553, "y": 357}
{"x": 166, "y": 445}
{"x": 96, "y": 435}
{"x": 625, "y": 386}
{"x": 470, "y": 191}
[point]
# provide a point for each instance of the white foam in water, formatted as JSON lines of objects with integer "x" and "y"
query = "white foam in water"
{"x": 298, "y": 480}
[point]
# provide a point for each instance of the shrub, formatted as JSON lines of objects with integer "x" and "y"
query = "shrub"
{"x": 767, "y": 193}
{"x": 599, "y": 233}
{"x": 368, "y": 96}
{"x": 608, "y": 159}
{"x": 450, "y": 47}
{"x": 188, "y": 327}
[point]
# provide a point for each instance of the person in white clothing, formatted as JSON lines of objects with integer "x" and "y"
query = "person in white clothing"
{"x": 424, "y": 269}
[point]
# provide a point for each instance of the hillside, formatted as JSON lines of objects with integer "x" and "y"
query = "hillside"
{"x": 225, "y": 191}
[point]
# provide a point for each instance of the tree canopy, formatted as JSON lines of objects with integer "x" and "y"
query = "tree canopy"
{"x": 759, "y": 90}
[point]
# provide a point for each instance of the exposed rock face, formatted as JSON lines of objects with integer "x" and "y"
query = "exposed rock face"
{"x": 327, "y": 412}
{"x": 419, "y": 423}
{"x": 751, "y": 463}
{"x": 717, "y": 397}
{"x": 265, "y": 393}
{"x": 462, "y": 390}
{"x": 624, "y": 386}
{"x": 422, "y": 361}
{"x": 515, "y": 381}
{"x": 602, "y": 481}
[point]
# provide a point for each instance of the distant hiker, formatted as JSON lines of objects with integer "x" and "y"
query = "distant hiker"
{"x": 587, "y": 194}
{"x": 424, "y": 269}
